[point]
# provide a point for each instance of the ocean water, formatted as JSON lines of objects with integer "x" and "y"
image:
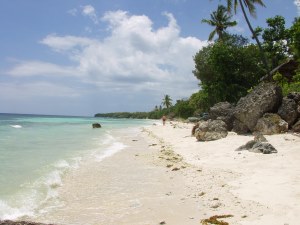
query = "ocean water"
{"x": 36, "y": 152}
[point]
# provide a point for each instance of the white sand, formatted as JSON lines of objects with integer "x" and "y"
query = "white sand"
{"x": 266, "y": 187}
{"x": 165, "y": 176}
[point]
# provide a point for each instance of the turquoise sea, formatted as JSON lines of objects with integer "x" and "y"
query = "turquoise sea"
{"x": 36, "y": 151}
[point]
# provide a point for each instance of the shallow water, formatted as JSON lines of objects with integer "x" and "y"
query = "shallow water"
{"x": 37, "y": 151}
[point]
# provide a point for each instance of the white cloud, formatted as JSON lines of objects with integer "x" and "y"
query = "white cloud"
{"x": 72, "y": 12}
{"x": 10, "y": 91}
{"x": 133, "y": 57}
{"x": 66, "y": 43}
{"x": 33, "y": 68}
{"x": 297, "y": 3}
{"x": 90, "y": 12}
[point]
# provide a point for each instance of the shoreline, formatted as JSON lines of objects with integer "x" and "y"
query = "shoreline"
{"x": 130, "y": 187}
{"x": 164, "y": 176}
{"x": 265, "y": 187}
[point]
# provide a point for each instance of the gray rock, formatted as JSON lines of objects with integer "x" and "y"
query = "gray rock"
{"x": 258, "y": 137}
{"x": 288, "y": 110}
{"x": 257, "y": 146}
{"x": 96, "y": 125}
{"x": 239, "y": 127}
{"x": 263, "y": 147}
{"x": 265, "y": 97}
{"x": 193, "y": 119}
{"x": 247, "y": 146}
{"x": 211, "y": 130}
{"x": 194, "y": 129}
{"x": 223, "y": 111}
{"x": 271, "y": 124}
{"x": 295, "y": 96}
{"x": 296, "y": 127}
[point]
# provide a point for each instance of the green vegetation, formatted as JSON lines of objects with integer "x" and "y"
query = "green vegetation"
{"x": 126, "y": 115}
{"x": 167, "y": 101}
{"x": 227, "y": 70}
{"x": 250, "y": 5}
{"x": 230, "y": 67}
{"x": 287, "y": 86}
{"x": 181, "y": 109}
{"x": 219, "y": 19}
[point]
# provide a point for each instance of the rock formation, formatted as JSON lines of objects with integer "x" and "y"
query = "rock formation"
{"x": 211, "y": 130}
{"x": 223, "y": 111}
{"x": 265, "y": 97}
{"x": 271, "y": 123}
{"x": 258, "y": 145}
{"x": 256, "y": 112}
{"x": 288, "y": 110}
{"x": 296, "y": 127}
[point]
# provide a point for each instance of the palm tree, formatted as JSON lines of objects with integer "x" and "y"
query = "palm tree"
{"x": 167, "y": 101}
{"x": 219, "y": 19}
{"x": 250, "y": 4}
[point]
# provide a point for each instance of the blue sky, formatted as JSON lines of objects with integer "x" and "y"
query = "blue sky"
{"x": 81, "y": 57}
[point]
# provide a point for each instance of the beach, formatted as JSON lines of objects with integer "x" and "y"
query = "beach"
{"x": 165, "y": 176}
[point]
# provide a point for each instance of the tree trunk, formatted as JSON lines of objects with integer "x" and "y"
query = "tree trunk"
{"x": 262, "y": 53}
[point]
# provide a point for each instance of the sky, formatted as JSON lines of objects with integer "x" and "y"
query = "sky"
{"x": 82, "y": 57}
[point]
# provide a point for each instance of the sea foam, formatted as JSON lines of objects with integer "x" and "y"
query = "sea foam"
{"x": 110, "y": 151}
{"x": 16, "y": 126}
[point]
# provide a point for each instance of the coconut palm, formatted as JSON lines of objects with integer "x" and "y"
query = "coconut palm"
{"x": 167, "y": 101}
{"x": 250, "y": 4}
{"x": 219, "y": 19}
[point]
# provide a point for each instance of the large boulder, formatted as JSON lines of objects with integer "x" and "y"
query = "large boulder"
{"x": 239, "y": 127}
{"x": 296, "y": 127}
{"x": 265, "y": 97}
{"x": 295, "y": 96}
{"x": 288, "y": 110}
{"x": 223, "y": 111}
{"x": 211, "y": 130}
{"x": 271, "y": 123}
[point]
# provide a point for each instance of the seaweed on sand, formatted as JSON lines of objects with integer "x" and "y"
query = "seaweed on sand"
{"x": 214, "y": 220}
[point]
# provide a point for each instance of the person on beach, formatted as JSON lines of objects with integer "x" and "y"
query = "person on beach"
{"x": 164, "y": 118}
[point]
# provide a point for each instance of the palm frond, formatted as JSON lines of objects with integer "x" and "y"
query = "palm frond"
{"x": 211, "y": 35}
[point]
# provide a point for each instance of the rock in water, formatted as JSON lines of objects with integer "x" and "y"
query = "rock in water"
{"x": 265, "y": 97}
{"x": 211, "y": 130}
{"x": 96, "y": 125}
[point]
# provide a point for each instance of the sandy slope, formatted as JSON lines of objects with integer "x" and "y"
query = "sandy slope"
{"x": 265, "y": 188}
